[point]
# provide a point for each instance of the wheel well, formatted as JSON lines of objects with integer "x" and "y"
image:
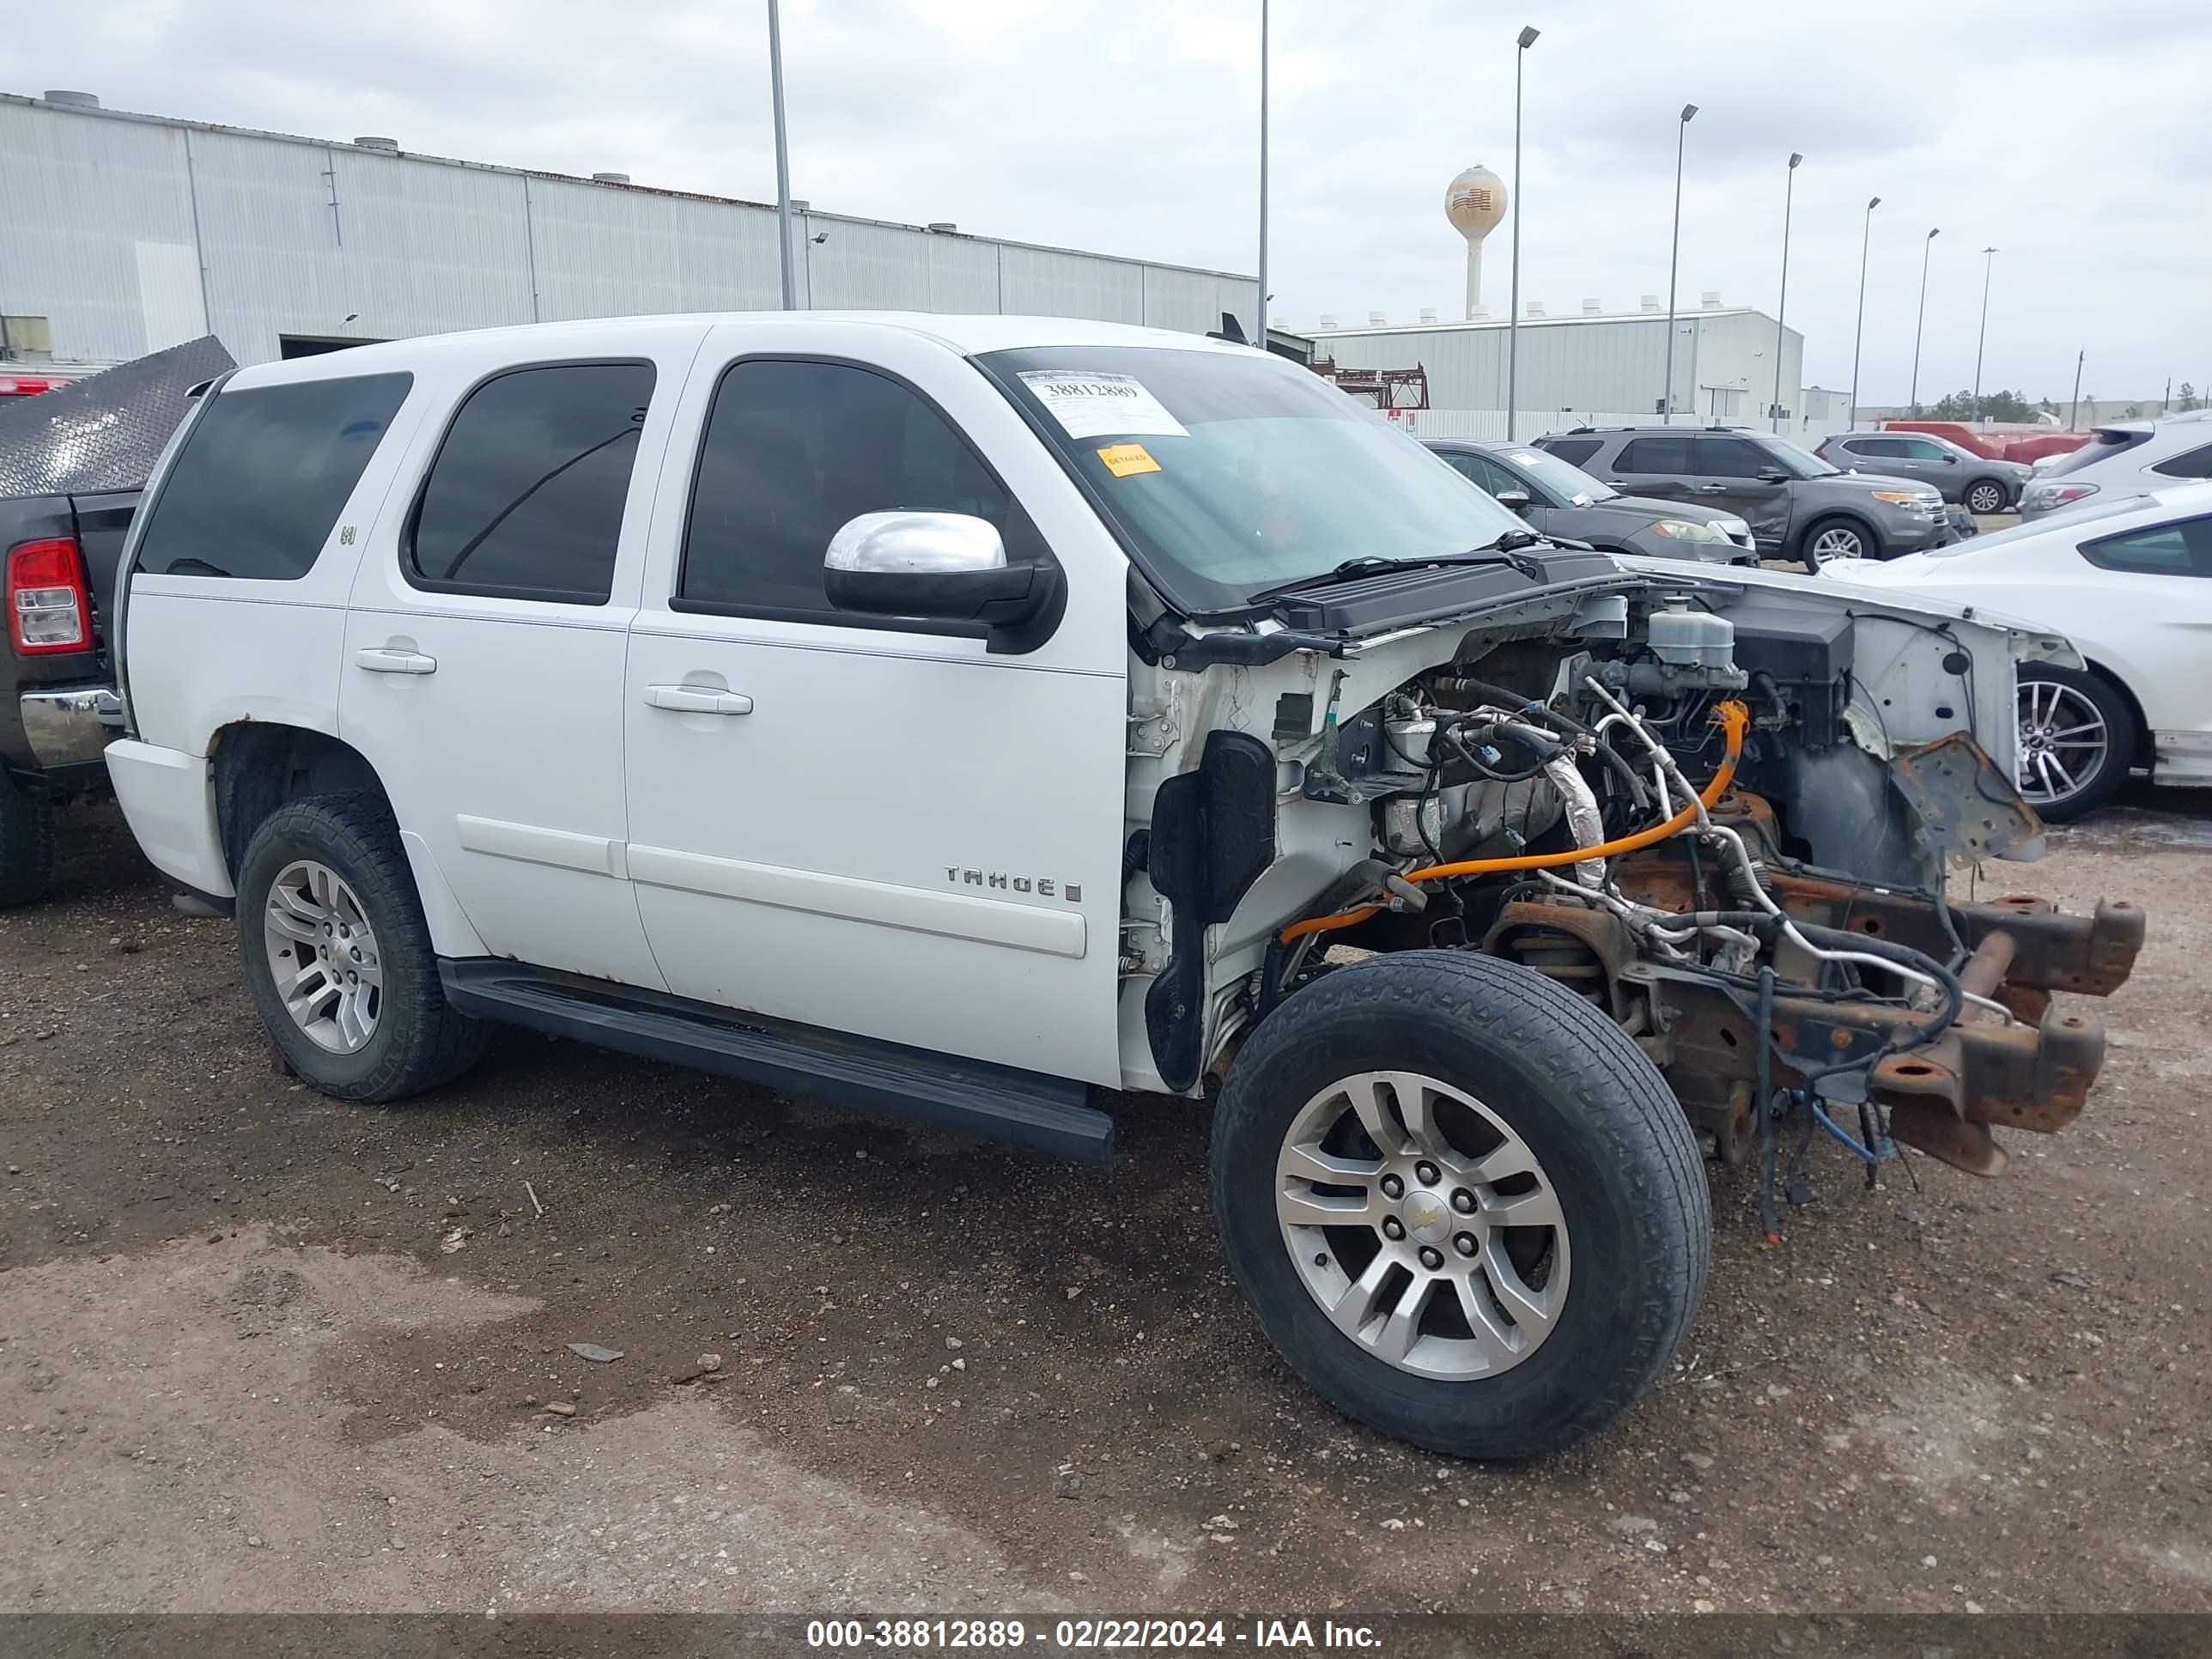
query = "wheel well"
{"x": 1863, "y": 526}
{"x": 2146, "y": 745}
{"x": 259, "y": 767}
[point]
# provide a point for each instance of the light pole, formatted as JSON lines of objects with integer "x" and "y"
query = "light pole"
{"x": 1988, "y": 259}
{"x": 1673, "y": 263}
{"x": 1922, "y": 319}
{"x": 1858, "y": 334}
{"x": 782, "y": 159}
{"x": 1262, "y": 340}
{"x": 2074, "y": 411}
{"x": 1781, "y": 304}
{"x": 1513, "y": 315}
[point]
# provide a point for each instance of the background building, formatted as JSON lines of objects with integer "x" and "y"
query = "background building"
{"x": 130, "y": 233}
{"x": 1593, "y": 365}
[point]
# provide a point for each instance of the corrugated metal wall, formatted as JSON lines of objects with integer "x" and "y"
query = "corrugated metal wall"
{"x": 106, "y": 220}
{"x": 1586, "y": 365}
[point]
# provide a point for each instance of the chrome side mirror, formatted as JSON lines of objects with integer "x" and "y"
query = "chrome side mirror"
{"x": 935, "y": 567}
{"x": 909, "y": 544}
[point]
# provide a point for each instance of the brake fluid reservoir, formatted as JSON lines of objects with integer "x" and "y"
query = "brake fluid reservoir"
{"x": 1689, "y": 638}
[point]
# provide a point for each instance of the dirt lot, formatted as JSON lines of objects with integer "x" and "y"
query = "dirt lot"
{"x": 259, "y": 1351}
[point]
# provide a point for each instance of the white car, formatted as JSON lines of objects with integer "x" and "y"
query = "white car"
{"x": 2130, "y": 583}
{"x": 2125, "y": 459}
{"x": 954, "y": 715}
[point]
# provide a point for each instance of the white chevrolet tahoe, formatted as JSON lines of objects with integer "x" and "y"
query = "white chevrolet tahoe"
{"x": 958, "y": 716}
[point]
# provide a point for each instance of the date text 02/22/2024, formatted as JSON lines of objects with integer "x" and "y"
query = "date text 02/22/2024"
{"x": 1088, "y": 1634}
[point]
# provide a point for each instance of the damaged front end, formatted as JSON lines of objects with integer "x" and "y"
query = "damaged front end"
{"x": 1727, "y": 813}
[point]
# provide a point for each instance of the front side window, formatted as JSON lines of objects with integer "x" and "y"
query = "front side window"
{"x": 2167, "y": 550}
{"x": 1729, "y": 458}
{"x": 1230, "y": 472}
{"x": 1669, "y": 457}
{"x": 263, "y": 475}
{"x": 526, "y": 497}
{"x": 1482, "y": 472}
{"x": 794, "y": 450}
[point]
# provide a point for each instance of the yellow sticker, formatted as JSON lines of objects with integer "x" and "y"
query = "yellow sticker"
{"x": 1125, "y": 460}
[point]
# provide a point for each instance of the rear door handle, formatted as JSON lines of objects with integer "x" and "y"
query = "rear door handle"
{"x": 383, "y": 659}
{"x": 697, "y": 700}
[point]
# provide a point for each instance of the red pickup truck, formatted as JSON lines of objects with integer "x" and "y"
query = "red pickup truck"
{"x": 2028, "y": 448}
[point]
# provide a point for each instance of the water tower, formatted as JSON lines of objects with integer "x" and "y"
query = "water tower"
{"x": 1475, "y": 203}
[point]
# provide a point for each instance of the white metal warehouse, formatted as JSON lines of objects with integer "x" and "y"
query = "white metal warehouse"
{"x": 1595, "y": 364}
{"x": 130, "y": 233}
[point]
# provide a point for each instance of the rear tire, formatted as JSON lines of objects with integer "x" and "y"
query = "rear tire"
{"x": 2077, "y": 740}
{"x": 26, "y": 844}
{"x": 326, "y": 900}
{"x": 1519, "y": 1076}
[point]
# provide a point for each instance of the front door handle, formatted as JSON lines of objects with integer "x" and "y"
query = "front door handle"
{"x": 697, "y": 700}
{"x": 1712, "y": 489}
{"x": 385, "y": 659}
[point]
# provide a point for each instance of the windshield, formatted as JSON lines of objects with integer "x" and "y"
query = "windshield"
{"x": 1228, "y": 473}
{"x": 1797, "y": 463}
{"x": 1558, "y": 476}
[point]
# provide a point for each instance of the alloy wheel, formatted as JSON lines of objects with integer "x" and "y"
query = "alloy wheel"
{"x": 1422, "y": 1225}
{"x": 323, "y": 956}
{"x": 1985, "y": 499}
{"x": 1837, "y": 541}
{"x": 2064, "y": 743}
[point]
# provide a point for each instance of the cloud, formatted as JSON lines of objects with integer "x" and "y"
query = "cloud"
{"x": 2070, "y": 136}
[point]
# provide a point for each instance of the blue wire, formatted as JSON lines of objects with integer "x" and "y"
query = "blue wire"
{"x": 1850, "y": 1141}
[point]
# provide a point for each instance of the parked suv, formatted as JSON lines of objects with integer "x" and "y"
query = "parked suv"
{"x": 1798, "y": 506}
{"x": 953, "y": 716}
{"x": 1982, "y": 485}
{"x": 2130, "y": 457}
{"x": 1559, "y": 500}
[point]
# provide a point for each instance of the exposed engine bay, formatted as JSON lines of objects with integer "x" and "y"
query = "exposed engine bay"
{"x": 1701, "y": 809}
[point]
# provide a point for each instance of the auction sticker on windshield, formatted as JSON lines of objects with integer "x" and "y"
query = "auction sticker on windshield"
{"x": 1126, "y": 460}
{"x": 1101, "y": 405}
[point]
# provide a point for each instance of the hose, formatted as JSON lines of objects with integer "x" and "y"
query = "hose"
{"x": 1734, "y": 719}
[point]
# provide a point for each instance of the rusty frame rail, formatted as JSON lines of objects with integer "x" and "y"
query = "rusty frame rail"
{"x": 2030, "y": 1068}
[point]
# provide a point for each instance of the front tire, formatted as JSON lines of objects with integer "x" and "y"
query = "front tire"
{"x": 338, "y": 957}
{"x": 1836, "y": 539}
{"x": 1464, "y": 1205}
{"x": 2077, "y": 740}
{"x": 1985, "y": 497}
{"x": 26, "y": 844}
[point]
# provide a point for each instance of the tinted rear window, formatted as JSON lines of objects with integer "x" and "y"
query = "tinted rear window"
{"x": 526, "y": 497}
{"x": 1659, "y": 455}
{"x": 265, "y": 474}
{"x": 1573, "y": 451}
{"x": 2197, "y": 463}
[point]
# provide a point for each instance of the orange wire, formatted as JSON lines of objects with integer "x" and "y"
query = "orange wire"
{"x": 1734, "y": 719}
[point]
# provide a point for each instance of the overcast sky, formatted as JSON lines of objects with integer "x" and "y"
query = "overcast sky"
{"x": 2072, "y": 135}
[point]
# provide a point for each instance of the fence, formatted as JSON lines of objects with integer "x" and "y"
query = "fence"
{"x": 1489, "y": 424}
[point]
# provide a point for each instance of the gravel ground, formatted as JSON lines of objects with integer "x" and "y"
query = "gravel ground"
{"x": 262, "y": 1351}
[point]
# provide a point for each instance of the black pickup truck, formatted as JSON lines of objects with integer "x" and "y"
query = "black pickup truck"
{"x": 72, "y": 463}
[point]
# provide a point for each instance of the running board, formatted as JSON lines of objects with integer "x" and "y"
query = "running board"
{"x": 1021, "y": 1108}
